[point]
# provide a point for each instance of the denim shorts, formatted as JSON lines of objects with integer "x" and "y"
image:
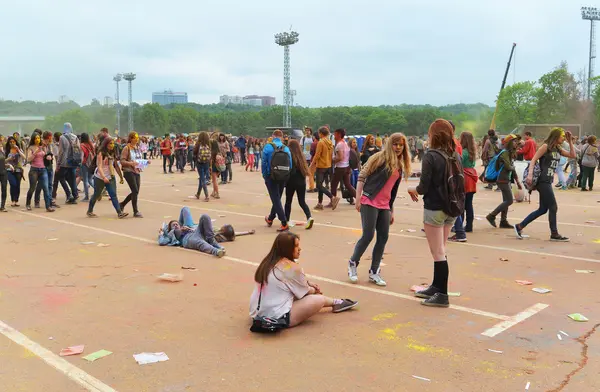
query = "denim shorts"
{"x": 437, "y": 218}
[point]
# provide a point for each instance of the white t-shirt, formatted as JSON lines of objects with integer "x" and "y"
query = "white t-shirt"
{"x": 306, "y": 143}
{"x": 286, "y": 282}
{"x": 343, "y": 147}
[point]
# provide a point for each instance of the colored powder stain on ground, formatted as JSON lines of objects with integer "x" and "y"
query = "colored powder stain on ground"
{"x": 25, "y": 353}
{"x": 55, "y": 299}
{"x": 492, "y": 368}
{"x": 384, "y": 316}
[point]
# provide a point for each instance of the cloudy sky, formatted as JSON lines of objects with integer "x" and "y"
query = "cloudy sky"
{"x": 352, "y": 52}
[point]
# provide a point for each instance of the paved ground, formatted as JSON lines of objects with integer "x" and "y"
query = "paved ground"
{"x": 58, "y": 292}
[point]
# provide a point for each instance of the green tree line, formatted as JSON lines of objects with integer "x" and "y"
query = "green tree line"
{"x": 158, "y": 120}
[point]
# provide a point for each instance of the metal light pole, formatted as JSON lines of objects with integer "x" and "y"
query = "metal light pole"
{"x": 117, "y": 79}
{"x": 130, "y": 77}
{"x": 592, "y": 14}
{"x": 286, "y": 39}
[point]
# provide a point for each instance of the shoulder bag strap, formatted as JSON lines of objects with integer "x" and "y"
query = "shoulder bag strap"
{"x": 259, "y": 298}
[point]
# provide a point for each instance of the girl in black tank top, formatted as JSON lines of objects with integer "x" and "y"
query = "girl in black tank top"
{"x": 548, "y": 156}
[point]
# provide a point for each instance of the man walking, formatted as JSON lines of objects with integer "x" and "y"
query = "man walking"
{"x": 276, "y": 168}
{"x": 240, "y": 143}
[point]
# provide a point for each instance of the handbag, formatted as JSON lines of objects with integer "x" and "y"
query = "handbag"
{"x": 262, "y": 324}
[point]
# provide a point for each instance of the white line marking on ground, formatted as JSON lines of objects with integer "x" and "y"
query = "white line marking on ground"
{"x": 397, "y": 207}
{"x": 414, "y": 237}
{"x": 72, "y": 372}
{"x": 514, "y": 320}
{"x": 246, "y": 262}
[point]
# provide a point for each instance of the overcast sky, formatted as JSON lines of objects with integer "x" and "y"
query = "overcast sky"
{"x": 351, "y": 52}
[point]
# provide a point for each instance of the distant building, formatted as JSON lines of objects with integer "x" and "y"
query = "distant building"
{"x": 227, "y": 99}
{"x": 252, "y": 100}
{"x": 168, "y": 97}
{"x": 108, "y": 101}
{"x": 63, "y": 99}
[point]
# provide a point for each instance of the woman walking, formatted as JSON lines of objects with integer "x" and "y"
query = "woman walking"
{"x": 250, "y": 155}
{"x": 354, "y": 162}
{"x": 216, "y": 160}
{"x": 87, "y": 164}
{"x": 506, "y": 176}
{"x": 36, "y": 153}
{"x": 589, "y": 160}
{"x": 203, "y": 158}
{"x": 130, "y": 161}
{"x": 548, "y": 156}
{"x": 437, "y": 222}
{"x": 104, "y": 177}
{"x": 224, "y": 150}
{"x": 14, "y": 167}
{"x": 321, "y": 164}
{"x": 297, "y": 183}
{"x": 377, "y": 187}
{"x": 469, "y": 156}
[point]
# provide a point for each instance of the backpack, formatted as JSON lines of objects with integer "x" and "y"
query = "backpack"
{"x": 203, "y": 154}
{"x": 75, "y": 155}
{"x": 492, "y": 171}
{"x": 537, "y": 171}
{"x": 280, "y": 164}
{"x": 220, "y": 163}
{"x": 453, "y": 192}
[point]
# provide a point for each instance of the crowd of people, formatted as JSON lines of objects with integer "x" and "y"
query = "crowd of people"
{"x": 328, "y": 164}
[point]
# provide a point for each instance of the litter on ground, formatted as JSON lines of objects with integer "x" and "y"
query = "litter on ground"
{"x": 171, "y": 277}
{"x": 578, "y": 317}
{"x": 524, "y": 282}
{"x": 97, "y": 355}
{"x": 146, "y": 358}
{"x": 541, "y": 290}
{"x": 73, "y": 350}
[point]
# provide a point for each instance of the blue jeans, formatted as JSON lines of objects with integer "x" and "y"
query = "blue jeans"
{"x": 39, "y": 177}
{"x": 203, "y": 175}
{"x": 354, "y": 178}
{"x": 203, "y": 237}
{"x": 459, "y": 230}
{"x": 88, "y": 179}
{"x": 111, "y": 188}
{"x": 256, "y": 160}
{"x": 275, "y": 190}
{"x": 38, "y": 190}
{"x": 14, "y": 180}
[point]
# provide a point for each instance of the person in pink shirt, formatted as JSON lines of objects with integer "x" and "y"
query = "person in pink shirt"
{"x": 37, "y": 173}
{"x": 341, "y": 161}
{"x": 376, "y": 191}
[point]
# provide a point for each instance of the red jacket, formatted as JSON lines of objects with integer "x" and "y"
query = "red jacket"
{"x": 528, "y": 150}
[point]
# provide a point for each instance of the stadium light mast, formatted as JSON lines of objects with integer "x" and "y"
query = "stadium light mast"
{"x": 286, "y": 39}
{"x": 117, "y": 78}
{"x": 130, "y": 77}
{"x": 592, "y": 14}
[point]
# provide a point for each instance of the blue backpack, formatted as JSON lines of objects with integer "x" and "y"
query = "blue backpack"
{"x": 492, "y": 171}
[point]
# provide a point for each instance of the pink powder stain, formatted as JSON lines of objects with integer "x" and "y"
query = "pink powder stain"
{"x": 55, "y": 299}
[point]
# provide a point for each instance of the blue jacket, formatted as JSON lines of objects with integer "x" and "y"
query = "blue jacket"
{"x": 267, "y": 154}
{"x": 241, "y": 143}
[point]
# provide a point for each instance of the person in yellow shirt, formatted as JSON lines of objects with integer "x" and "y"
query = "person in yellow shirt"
{"x": 322, "y": 164}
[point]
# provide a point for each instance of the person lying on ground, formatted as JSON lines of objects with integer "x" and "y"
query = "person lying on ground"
{"x": 282, "y": 290}
{"x": 184, "y": 232}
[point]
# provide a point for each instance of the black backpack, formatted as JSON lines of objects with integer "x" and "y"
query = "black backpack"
{"x": 280, "y": 164}
{"x": 453, "y": 192}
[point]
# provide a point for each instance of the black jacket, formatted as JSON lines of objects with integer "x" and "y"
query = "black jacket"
{"x": 433, "y": 178}
{"x": 375, "y": 182}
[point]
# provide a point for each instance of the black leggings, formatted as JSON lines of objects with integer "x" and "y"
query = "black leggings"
{"x": 3, "y": 182}
{"x": 321, "y": 173}
{"x": 299, "y": 187}
{"x": 547, "y": 204}
{"x": 134, "y": 182}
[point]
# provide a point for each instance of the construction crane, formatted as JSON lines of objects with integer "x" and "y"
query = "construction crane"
{"x": 512, "y": 51}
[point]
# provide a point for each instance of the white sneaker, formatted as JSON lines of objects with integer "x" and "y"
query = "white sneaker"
{"x": 377, "y": 279}
{"x": 352, "y": 273}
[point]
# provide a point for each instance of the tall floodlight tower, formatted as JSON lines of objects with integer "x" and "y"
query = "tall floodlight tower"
{"x": 592, "y": 14}
{"x": 117, "y": 79}
{"x": 130, "y": 77}
{"x": 286, "y": 39}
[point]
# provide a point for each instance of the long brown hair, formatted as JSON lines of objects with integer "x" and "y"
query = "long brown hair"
{"x": 203, "y": 139}
{"x": 283, "y": 247}
{"x": 467, "y": 141}
{"x": 552, "y": 139}
{"x": 298, "y": 160}
{"x": 366, "y": 143}
{"x": 388, "y": 157}
{"x": 441, "y": 136}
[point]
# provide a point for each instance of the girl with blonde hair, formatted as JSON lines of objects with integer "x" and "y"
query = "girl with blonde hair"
{"x": 376, "y": 191}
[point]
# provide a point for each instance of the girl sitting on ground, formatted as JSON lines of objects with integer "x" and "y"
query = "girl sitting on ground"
{"x": 184, "y": 232}
{"x": 282, "y": 290}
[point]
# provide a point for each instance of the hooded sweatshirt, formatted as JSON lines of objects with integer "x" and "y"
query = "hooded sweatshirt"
{"x": 64, "y": 145}
{"x": 324, "y": 153}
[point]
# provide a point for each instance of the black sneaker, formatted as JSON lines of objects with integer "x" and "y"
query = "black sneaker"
{"x": 427, "y": 293}
{"x": 558, "y": 238}
{"x": 438, "y": 300}
{"x": 36, "y": 205}
{"x": 492, "y": 220}
{"x": 505, "y": 225}
{"x": 518, "y": 232}
{"x": 456, "y": 238}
